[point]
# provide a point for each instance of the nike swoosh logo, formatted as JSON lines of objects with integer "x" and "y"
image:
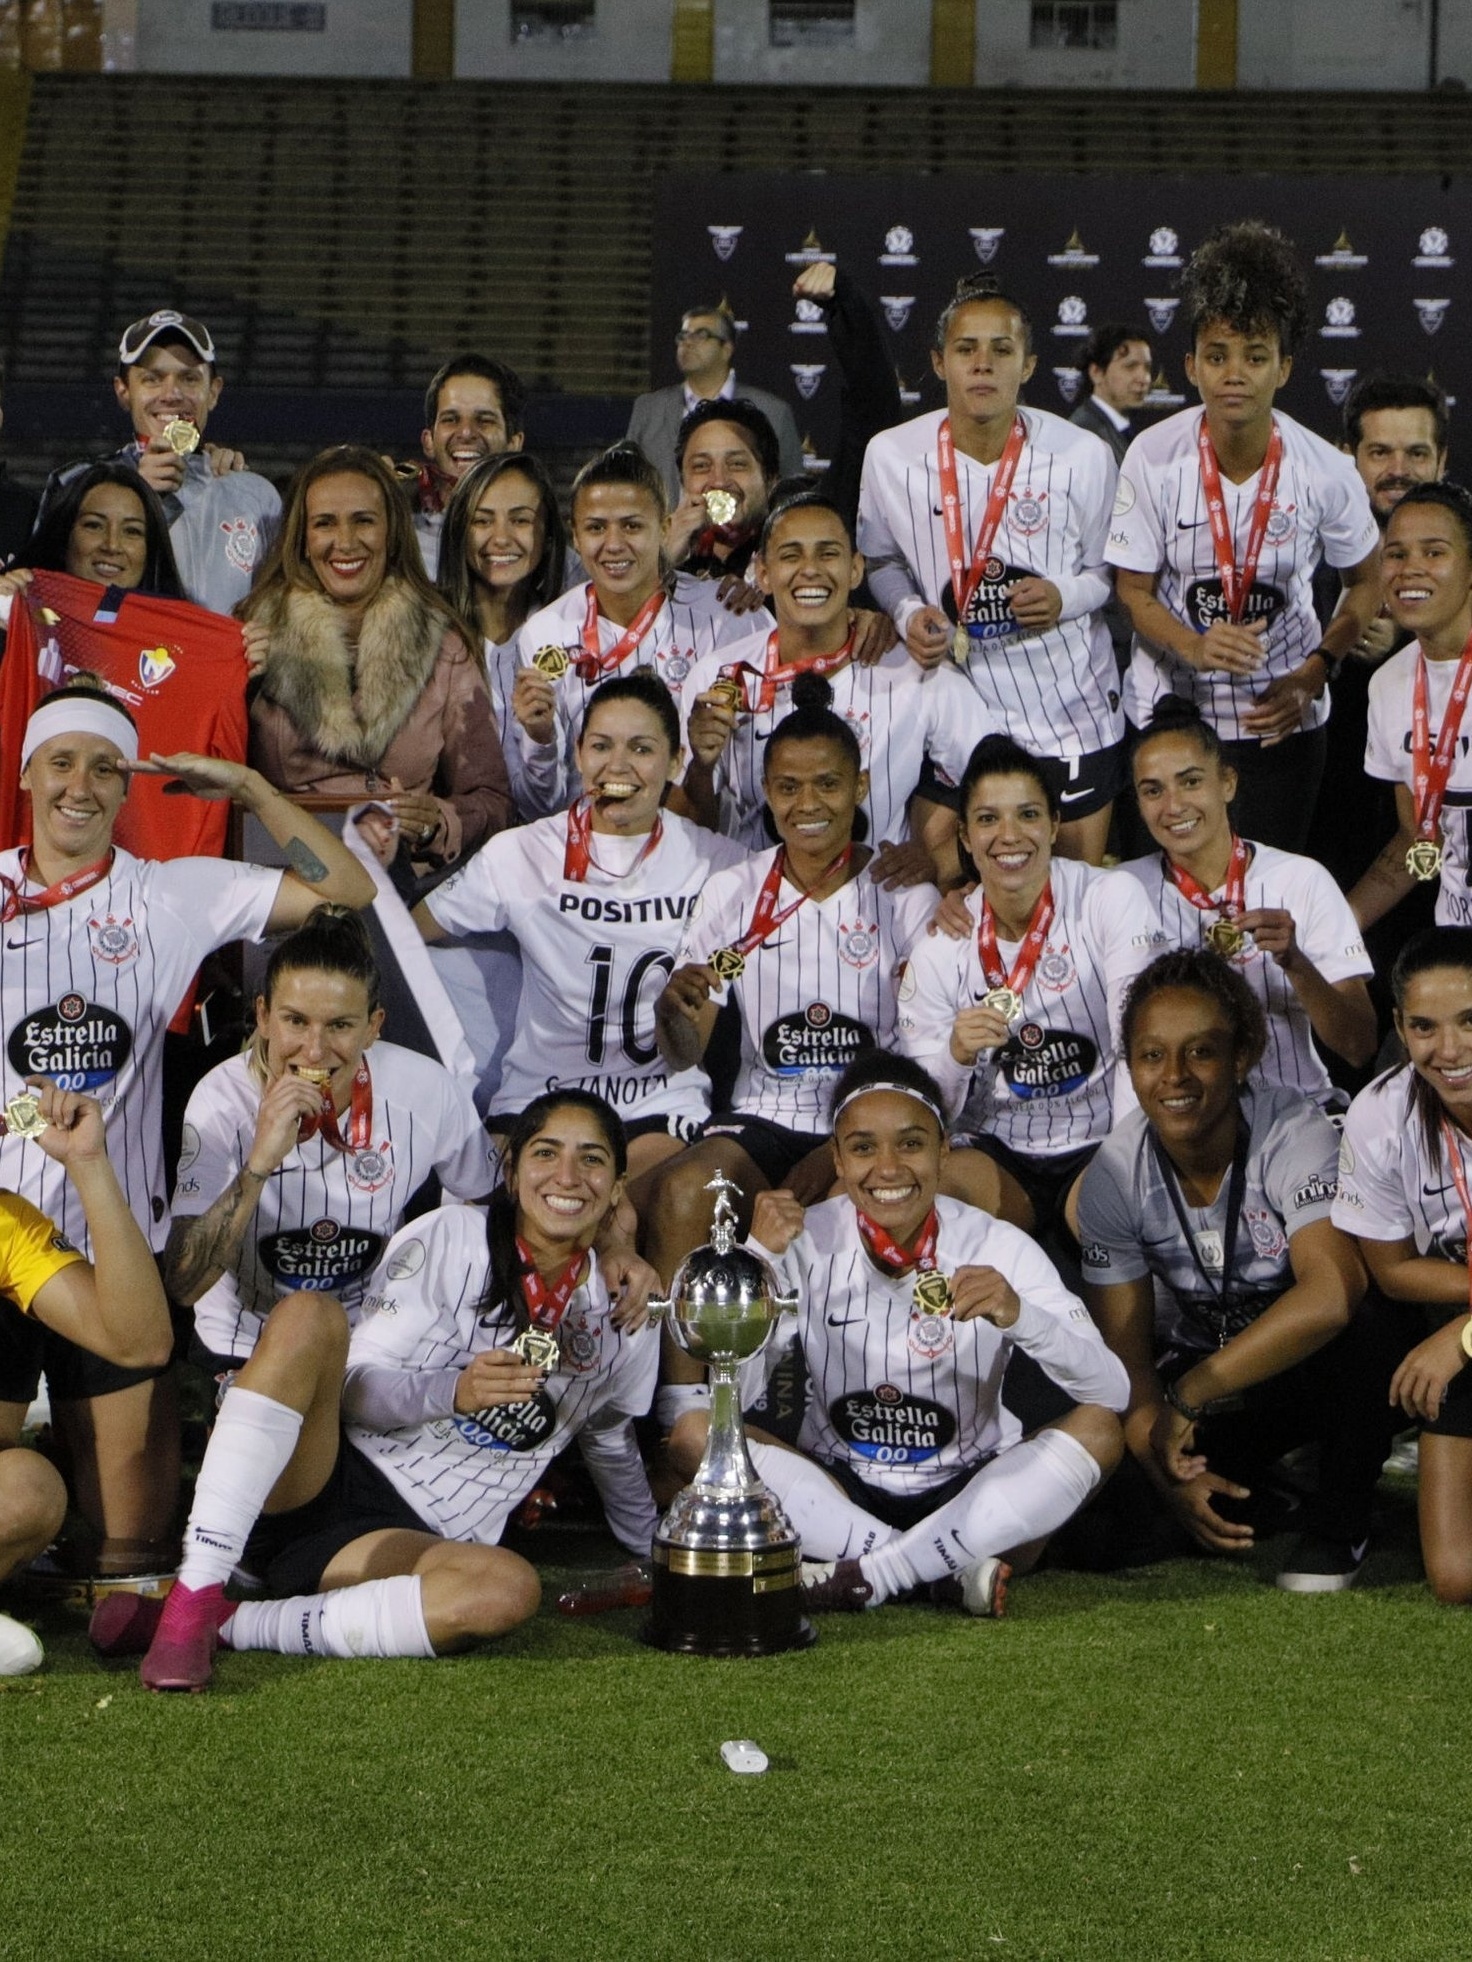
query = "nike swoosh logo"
{"x": 14, "y": 945}
{"x": 1190, "y": 524}
{"x": 1433, "y": 1191}
{"x": 1071, "y": 796}
{"x": 845, "y": 1321}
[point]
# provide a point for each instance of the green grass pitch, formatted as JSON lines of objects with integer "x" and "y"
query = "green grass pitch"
{"x": 1179, "y": 1764}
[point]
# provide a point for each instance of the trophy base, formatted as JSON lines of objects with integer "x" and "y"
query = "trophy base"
{"x": 739, "y": 1601}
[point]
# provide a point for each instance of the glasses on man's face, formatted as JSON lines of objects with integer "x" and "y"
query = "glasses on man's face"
{"x": 696, "y": 334}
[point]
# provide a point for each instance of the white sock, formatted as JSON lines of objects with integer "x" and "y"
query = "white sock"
{"x": 249, "y": 1449}
{"x": 384, "y": 1617}
{"x": 829, "y": 1524}
{"x": 1024, "y": 1494}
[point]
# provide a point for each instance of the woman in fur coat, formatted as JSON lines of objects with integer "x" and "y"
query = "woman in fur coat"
{"x": 367, "y": 684}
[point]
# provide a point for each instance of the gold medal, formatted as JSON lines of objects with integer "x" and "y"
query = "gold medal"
{"x": 321, "y": 1078}
{"x": 729, "y": 963}
{"x": 729, "y": 692}
{"x": 960, "y": 647}
{"x": 23, "y": 1117}
{"x": 1005, "y": 1002}
{"x": 720, "y": 506}
{"x": 538, "y": 1349}
{"x": 1423, "y": 860}
{"x": 551, "y": 661}
{"x": 182, "y": 437}
{"x": 1226, "y": 938}
{"x": 932, "y": 1293}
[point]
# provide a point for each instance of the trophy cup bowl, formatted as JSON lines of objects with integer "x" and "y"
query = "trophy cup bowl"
{"x": 726, "y": 1560}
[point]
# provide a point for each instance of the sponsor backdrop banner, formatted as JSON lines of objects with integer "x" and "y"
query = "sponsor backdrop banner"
{"x": 1383, "y": 258}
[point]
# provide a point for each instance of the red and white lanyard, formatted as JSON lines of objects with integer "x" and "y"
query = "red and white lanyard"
{"x": 1236, "y": 585}
{"x": 964, "y": 580}
{"x": 577, "y": 855}
{"x": 775, "y": 674}
{"x": 360, "y": 1116}
{"x": 1033, "y": 942}
{"x": 546, "y": 1301}
{"x": 765, "y": 918}
{"x": 591, "y": 664}
{"x": 1431, "y": 769}
{"x": 17, "y": 901}
{"x": 886, "y": 1251}
{"x": 1233, "y": 901}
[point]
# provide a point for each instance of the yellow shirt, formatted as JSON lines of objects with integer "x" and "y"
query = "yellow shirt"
{"x": 31, "y": 1250}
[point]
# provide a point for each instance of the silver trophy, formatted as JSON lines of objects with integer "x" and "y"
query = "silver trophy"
{"x": 726, "y": 1560}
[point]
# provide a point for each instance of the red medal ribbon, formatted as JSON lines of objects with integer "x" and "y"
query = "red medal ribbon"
{"x": 1431, "y": 770}
{"x": 1233, "y": 900}
{"x": 578, "y": 853}
{"x": 765, "y": 918}
{"x": 1033, "y": 942}
{"x": 1453, "y": 1147}
{"x": 1237, "y": 585}
{"x": 592, "y": 665}
{"x": 964, "y": 582}
{"x": 360, "y": 1117}
{"x": 886, "y": 1252}
{"x": 17, "y": 901}
{"x": 546, "y": 1301}
{"x": 775, "y": 674}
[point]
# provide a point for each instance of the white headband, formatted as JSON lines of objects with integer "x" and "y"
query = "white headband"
{"x": 79, "y": 715}
{"x": 899, "y": 1090}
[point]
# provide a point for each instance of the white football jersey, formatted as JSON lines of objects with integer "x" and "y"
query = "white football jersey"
{"x": 817, "y": 993}
{"x": 324, "y": 1216}
{"x": 1321, "y": 510}
{"x": 1056, "y": 692}
{"x": 595, "y": 955}
{"x": 1059, "y": 1081}
{"x": 906, "y": 1399}
{"x": 1388, "y": 755}
{"x": 899, "y": 713}
{"x": 422, "y": 1324}
{"x": 690, "y": 624}
{"x": 87, "y": 990}
{"x": 1326, "y": 930}
{"x": 1390, "y": 1186}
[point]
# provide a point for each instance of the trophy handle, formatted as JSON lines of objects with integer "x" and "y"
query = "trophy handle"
{"x": 659, "y": 1307}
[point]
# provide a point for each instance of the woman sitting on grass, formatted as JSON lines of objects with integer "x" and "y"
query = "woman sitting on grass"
{"x": 382, "y": 1536}
{"x": 910, "y": 1470}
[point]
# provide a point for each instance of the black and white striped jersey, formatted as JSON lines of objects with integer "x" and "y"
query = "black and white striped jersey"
{"x": 1388, "y": 756}
{"x": 1056, "y": 692}
{"x": 1391, "y": 1187}
{"x": 324, "y": 1216}
{"x": 907, "y": 1399}
{"x": 422, "y": 1325}
{"x": 87, "y": 990}
{"x": 1160, "y": 525}
{"x": 1059, "y": 1081}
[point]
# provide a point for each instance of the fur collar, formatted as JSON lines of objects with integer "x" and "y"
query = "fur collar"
{"x": 346, "y": 713}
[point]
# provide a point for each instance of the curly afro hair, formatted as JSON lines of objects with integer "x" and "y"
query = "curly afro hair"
{"x": 1248, "y": 275}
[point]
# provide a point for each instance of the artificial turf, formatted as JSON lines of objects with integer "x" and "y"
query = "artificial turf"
{"x": 1177, "y": 1763}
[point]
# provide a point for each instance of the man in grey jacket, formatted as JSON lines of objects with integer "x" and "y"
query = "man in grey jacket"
{"x": 705, "y": 349}
{"x": 222, "y": 517}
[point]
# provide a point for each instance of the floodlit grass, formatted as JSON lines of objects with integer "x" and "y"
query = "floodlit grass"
{"x": 1180, "y": 1763}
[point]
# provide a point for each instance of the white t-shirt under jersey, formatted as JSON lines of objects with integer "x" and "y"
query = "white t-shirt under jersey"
{"x": 906, "y": 1400}
{"x": 1056, "y": 692}
{"x": 1059, "y": 1081}
{"x": 1390, "y": 1186}
{"x": 1326, "y": 931}
{"x": 324, "y": 1216}
{"x": 1388, "y": 755}
{"x": 87, "y": 990}
{"x": 900, "y": 714}
{"x": 595, "y": 956}
{"x": 816, "y": 994}
{"x": 690, "y": 624}
{"x": 422, "y": 1324}
{"x": 1321, "y": 510}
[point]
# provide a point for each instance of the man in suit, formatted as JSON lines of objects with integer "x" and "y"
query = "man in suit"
{"x": 705, "y": 349}
{"x": 1118, "y": 361}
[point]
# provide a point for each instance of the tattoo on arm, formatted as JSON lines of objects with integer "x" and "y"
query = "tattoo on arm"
{"x": 200, "y": 1249}
{"x": 305, "y": 862}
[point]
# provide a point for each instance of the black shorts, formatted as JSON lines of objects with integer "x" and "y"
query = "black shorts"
{"x": 664, "y": 1124}
{"x": 772, "y": 1148}
{"x": 292, "y": 1550}
{"x": 27, "y": 1348}
{"x": 1086, "y": 784}
{"x": 1047, "y": 1181}
{"x": 901, "y": 1510}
